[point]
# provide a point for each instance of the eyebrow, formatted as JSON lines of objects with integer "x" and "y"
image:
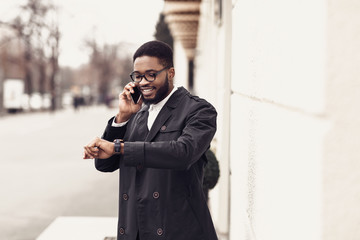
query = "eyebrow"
{"x": 146, "y": 71}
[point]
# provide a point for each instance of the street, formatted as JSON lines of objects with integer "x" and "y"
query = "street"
{"x": 43, "y": 175}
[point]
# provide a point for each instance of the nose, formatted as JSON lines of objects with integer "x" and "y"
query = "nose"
{"x": 143, "y": 81}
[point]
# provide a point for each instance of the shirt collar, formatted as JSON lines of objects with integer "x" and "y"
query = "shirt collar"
{"x": 158, "y": 106}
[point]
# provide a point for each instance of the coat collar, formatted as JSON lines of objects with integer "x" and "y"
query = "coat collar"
{"x": 175, "y": 99}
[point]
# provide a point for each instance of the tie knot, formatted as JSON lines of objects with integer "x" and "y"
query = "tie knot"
{"x": 146, "y": 107}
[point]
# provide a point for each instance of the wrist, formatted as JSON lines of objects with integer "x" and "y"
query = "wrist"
{"x": 122, "y": 148}
{"x": 120, "y": 118}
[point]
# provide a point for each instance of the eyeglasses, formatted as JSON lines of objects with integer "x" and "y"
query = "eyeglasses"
{"x": 149, "y": 76}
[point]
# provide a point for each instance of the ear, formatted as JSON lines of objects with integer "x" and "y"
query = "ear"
{"x": 171, "y": 73}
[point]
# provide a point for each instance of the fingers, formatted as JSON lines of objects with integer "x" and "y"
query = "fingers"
{"x": 128, "y": 89}
{"x": 91, "y": 150}
{"x": 86, "y": 156}
{"x": 98, "y": 148}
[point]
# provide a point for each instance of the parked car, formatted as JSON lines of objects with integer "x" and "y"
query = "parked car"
{"x": 13, "y": 94}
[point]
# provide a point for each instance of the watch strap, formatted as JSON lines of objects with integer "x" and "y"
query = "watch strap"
{"x": 117, "y": 146}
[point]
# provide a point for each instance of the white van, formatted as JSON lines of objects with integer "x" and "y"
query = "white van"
{"x": 13, "y": 94}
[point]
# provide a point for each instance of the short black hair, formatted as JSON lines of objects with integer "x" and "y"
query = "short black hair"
{"x": 157, "y": 49}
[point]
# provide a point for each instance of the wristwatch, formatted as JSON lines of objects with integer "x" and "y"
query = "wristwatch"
{"x": 117, "y": 146}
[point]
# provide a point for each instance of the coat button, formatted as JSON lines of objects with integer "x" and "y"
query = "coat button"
{"x": 121, "y": 231}
{"x": 163, "y": 128}
{"x": 125, "y": 196}
{"x": 139, "y": 167}
{"x": 156, "y": 195}
{"x": 159, "y": 231}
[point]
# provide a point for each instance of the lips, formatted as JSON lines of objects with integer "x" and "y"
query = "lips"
{"x": 147, "y": 91}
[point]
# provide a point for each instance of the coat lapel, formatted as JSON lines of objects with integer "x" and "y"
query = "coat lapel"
{"x": 165, "y": 113}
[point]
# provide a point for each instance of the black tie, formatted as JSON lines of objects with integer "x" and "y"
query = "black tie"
{"x": 142, "y": 123}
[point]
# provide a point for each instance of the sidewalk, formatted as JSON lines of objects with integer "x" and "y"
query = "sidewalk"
{"x": 43, "y": 175}
{"x": 76, "y": 228}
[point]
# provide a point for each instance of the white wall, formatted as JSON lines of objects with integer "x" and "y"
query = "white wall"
{"x": 278, "y": 122}
{"x": 342, "y": 142}
{"x": 293, "y": 146}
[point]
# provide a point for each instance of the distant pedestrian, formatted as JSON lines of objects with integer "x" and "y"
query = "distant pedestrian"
{"x": 159, "y": 145}
{"x": 76, "y": 102}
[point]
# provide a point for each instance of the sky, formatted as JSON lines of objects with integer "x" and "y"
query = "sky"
{"x": 108, "y": 21}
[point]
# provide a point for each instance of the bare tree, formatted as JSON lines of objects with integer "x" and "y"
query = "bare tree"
{"x": 24, "y": 33}
{"x": 39, "y": 31}
{"x": 112, "y": 64}
{"x": 102, "y": 59}
{"x": 53, "y": 43}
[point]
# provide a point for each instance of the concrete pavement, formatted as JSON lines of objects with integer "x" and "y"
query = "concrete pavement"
{"x": 43, "y": 175}
{"x": 75, "y": 228}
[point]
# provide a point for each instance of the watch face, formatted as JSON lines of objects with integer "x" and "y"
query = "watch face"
{"x": 117, "y": 146}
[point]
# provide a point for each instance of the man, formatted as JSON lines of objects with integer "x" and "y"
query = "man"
{"x": 159, "y": 145}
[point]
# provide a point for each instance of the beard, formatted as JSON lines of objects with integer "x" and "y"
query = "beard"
{"x": 160, "y": 94}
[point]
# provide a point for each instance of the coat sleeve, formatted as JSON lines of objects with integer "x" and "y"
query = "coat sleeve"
{"x": 110, "y": 164}
{"x": 180, "y": 153}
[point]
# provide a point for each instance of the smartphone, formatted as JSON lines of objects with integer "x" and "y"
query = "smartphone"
{"x": 136, "y": 95}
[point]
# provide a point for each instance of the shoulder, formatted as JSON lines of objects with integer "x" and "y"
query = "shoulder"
{"x": 197, "y": 102}
{"x": 185, "y": 98}
{"x": 191, "y": 106}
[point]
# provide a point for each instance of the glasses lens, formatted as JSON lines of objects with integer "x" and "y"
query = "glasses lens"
{"x": 136, "y": 77}
{"x": 150, "y": 76}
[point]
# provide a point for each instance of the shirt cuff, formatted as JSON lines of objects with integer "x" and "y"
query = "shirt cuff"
{"x": 114, "y": 124}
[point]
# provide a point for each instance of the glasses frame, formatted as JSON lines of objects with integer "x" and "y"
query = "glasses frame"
{"x": 143, "y": 76}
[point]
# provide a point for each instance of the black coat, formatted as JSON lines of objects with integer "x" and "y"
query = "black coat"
{"x": 161, "y": 192}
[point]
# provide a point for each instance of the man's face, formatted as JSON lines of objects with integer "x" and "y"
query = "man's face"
{"x": 153, "y": 92}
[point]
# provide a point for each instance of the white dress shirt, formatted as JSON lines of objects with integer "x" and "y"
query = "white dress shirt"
{"x": 154, "y": 110}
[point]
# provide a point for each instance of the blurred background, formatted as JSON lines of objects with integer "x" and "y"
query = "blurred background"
{"x": 283, "y": 76}
{"x": 66, "y": 52}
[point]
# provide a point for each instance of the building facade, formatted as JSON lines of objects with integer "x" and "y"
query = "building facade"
{"x": 284, "y": 77}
